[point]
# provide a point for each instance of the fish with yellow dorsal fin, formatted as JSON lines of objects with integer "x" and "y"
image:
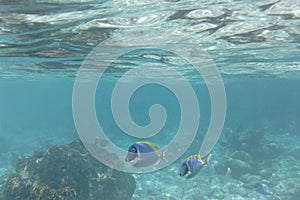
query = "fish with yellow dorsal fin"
{"x": 144, "y": 154}
{"x": 193, "y": 164}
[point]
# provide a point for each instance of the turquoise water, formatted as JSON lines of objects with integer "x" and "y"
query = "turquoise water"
{"x": 254, "y": 45}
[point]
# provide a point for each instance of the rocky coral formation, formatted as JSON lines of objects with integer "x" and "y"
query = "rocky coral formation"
{"x": 67, "y": 172}
{"x": 20, "y": 188}
{"x": 252, "y": 142}
{"x": 245, "y": 152}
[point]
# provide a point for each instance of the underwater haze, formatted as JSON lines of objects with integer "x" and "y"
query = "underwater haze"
{"x": 254, "y": 47}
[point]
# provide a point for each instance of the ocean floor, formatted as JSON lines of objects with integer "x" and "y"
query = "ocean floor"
{"x": 280, "y": 176}
{"x": 284, "y": 183}
{"x": 264, "y": 166}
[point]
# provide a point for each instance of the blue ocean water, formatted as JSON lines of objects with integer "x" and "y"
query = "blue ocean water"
{"x": 254, "y": 45}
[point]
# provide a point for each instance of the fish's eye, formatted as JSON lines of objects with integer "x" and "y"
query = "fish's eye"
{"x": 133, "y": 150}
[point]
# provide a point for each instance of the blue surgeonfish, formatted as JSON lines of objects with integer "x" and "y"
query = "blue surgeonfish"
{"x": 144, "y": 154}
{"x": 193, "y": 164}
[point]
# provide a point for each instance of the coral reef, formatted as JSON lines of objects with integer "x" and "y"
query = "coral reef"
{"x": 247, "y": 152}
{"x": 67, "y": 172}
{"x": 252, "y": 142}
{"x": 19, "y": 188}
{"x": 262, "y": 163}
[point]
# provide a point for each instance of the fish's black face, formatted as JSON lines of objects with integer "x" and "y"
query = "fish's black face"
{"x": 184, "y": 169}
{"x": 132, "y": 154}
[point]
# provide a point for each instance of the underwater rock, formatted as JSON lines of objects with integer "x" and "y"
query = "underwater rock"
{"x": 241, "y": 155}
{"x": 238, "y": 167}
{"x": 287, "y": 188}
{"x": 218, "y": 193}
{"x": 234, "y": 167}
{"x": 250, "y": 181}
{"x": 221, "y": 168}
{"x": 67, "y": 171}
{"x": 243, "y": 140}
{"x": 252, "y": 142}
{"x": 265, "y": 173}
{"x": 268, "y": 151}
{"x": 20, "y": 188}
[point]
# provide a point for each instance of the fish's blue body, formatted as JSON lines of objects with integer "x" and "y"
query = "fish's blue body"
{"x": 144, "y": 154}
{"x": 192, "y": 166}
